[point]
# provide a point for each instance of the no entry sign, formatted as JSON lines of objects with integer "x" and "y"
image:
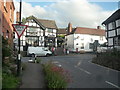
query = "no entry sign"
{"x": 19, "y": 29}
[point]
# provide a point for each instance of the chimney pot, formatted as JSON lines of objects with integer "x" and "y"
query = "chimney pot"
{"x": 98, "y": 27}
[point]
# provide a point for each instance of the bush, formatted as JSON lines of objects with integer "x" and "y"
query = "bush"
{"x": 10, "y": 81}
{"x": 55, "y": 76}
{"x": 109, "y": 59}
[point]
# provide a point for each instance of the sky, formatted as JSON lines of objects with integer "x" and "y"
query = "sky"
{"x": 81, "y": 13}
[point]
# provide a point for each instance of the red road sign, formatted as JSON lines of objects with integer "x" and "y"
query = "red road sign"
{"x": 19, "y": 29}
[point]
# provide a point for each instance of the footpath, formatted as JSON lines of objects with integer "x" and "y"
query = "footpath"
{"x": 33, "y": 76}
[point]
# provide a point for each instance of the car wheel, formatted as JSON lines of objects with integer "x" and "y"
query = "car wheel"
{"x": 33, "y": 55}
{"x": 47, "y": 55}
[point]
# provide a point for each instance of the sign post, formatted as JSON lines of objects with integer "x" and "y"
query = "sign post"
{"x": 19, "y": 29}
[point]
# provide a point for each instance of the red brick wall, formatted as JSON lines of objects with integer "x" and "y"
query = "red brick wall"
{"x": 7, "y": 20}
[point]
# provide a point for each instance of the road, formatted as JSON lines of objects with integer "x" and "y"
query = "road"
{"x": 84, "y": 73}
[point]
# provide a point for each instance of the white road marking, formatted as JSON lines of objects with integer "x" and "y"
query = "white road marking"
{"x": 112, "y": 84}
{"x": 83, "y": 70}
{"x": 103, "y": 66}
{"x": 78, "y": 64}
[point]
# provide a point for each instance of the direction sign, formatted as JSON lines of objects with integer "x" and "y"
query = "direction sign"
{"x": 19, "y": 29}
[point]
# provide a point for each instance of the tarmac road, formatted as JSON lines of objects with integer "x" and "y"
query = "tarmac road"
{"x": 84, "y": 73}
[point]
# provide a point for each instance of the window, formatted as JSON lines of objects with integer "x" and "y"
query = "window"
{"x": 117, "y": 41}
{"x": 101, "y": 38}
{"x": 82, "y": 37}
{"x": 111, "y": 25}
{"x": 91, "y": 40}
{"x": 32, "y": 31}
{"x": 118, "y": 31}
{"x": 118, "y": 23}
{"x": 82, "y": 46}
{"x": 111, "y": 33}
{"x": 76, "y": 43}
{"x": 90, "y": 45}
{"x": 50, "y": 30}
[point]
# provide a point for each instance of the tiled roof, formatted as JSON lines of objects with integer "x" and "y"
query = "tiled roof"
{"x": 62, "y": 31}
{"x": 48, "y": 23}
{"x": 91, "y": 31}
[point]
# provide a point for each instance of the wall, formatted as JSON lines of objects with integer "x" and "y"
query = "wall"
{"x": 77, "y": 40}
{"x": 112, "y": 32}
{"x": 7, "y": 20}
{"x": 86, "y": 39}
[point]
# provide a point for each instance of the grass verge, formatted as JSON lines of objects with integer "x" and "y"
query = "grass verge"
{"x": 10, "y": 81}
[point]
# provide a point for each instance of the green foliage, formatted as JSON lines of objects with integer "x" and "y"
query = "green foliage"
{"x": 109, "y": 59}
{"x": 63, "y": 36}
{"x": 23, "y": 20}
{"x": 10, "y": 81}
{"x": 8, "y": 67}
{"x": 38, "y": 60}
{"x": 6, "y": 51}
{"x": 55, "y": 76}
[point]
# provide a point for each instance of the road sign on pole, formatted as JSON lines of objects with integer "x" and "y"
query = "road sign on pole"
{"x": 19, "y": 29}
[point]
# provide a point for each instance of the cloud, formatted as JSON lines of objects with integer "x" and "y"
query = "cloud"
{"x": 80, "y": 13}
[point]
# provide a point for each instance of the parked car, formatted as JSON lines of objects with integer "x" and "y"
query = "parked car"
{"x": 101, "y": 49}
{"x": 38, "y": 51}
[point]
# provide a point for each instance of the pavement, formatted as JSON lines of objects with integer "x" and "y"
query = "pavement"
{"x": 32, "y": 76}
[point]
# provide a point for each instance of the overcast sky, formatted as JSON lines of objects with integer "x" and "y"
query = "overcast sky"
{"x": 80, "y": 13}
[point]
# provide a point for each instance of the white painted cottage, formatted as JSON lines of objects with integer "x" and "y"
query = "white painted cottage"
{"x": 82, "y": 38}
{"x": 112, "y": 25}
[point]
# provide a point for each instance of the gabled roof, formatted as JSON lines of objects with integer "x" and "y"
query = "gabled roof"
{"x": 90, "y": 31}
{"x": 43, "y": 22}
{"x": 36, "y": 20}
{"x": 113, "y": 17}
{"x": 62, "y": 31}
{"x": 48, "y": 23}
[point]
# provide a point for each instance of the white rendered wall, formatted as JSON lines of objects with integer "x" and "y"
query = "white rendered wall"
{"x": 75, "y": 41}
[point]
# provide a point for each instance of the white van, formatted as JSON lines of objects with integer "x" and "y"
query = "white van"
{"x": 38, "y": 51}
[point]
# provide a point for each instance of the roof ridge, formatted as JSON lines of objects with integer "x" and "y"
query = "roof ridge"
{"x": 45, "y": 19}
{"x": 89, "y": 28}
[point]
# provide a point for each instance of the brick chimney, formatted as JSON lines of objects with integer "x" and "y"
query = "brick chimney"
{"x": 69, "y": 28}
{"x": 98, "y": 27}
{"x": 17, "y": 16}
